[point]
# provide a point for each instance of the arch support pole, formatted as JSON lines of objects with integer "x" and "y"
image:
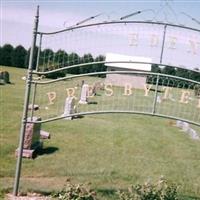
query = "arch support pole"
{"x": 25, "y": 109}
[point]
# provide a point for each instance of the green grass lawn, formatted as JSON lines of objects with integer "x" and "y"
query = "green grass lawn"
{"x": 110, "y": 151}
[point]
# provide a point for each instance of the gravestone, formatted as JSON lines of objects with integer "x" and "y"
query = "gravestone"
{"x": 95, "y": 87}
{"x": 179, "y": 124}
{"x": 185, "y": 127}
{"x": 31, "y": 138}
{"x": 32, "y": 133}
{"x": 6, "y": 77}
{"x": 2, "y": 81}
{"x": 44, "y": 135}
{"x": 92, "y": 91}
{"x": 33, "y": 107}
{"x": 84, "y": 94}
{"x": 197, "y": 90}
{"x": 193, "y": 134}
{"x": 159, "y": 100}
{"x": 69, "y": 107}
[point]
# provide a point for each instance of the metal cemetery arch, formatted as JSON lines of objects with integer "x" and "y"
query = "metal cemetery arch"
{"x": 137, "y": 44}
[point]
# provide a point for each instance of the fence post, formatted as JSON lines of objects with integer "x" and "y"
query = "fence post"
{"x": 25, "y": 109}
{"x": 163, "y": 43}
{"x": 156, "y": 95}
{"x": 35, "y": 84}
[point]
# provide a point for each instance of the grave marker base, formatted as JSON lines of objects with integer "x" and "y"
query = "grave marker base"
{"x": 44, "y": 135}
{"x": 30, "y": 153}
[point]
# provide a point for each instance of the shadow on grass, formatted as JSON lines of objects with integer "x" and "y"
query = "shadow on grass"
{"x": 92, "y": 102}
{"x": 47, "y": 151}
{"x": 187, "y": 197}
{"x": 107, "y": 193}
{"x": 78, "y": 117}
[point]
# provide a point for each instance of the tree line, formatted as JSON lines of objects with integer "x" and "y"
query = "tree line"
{"x": 171, "y": 82}
{"x": 15, "y": 57}
{"x": 184, "y": 73}
{"x": 19, "y": 57}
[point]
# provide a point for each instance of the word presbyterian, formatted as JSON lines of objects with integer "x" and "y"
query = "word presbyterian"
{"x": 184, "y": 98}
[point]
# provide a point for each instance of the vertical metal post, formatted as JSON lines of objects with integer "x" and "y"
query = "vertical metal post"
{"x": 163, "y": 44}
{"x": 35, "y": 84}
{"x": 33, "y": 99}
{"x": 38, "y": 54}
{"x": 25, "y": 110}
{"x": 156, "y": 95}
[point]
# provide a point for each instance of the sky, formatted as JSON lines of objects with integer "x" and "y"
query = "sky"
{"x": 182, "y": 47}
{"x": 17, "y": 17}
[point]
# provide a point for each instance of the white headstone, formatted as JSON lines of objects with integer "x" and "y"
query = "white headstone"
{"x": 185, "y": 127}
{"x": 69, "y": 107}
{"x": 179, "y": 124}
{"x": 193, "y": 134}
{"x": 84, "y": 94}
{"x": 33, "y": 107}
{"x": 159, "y": 100}
{"x": 171, "y": 98}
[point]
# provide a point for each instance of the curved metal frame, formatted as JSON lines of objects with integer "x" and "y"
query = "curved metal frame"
{"x": 153, "y": 113}
{"x": 165, "y": 25}
{"x": 114, "y": 72}
{"x": 30, "y": 72}
{"x": 118, "y": 112}
{"x": 76, "y": 27}
{"x": 118, "y": 22}
{"x": 105, "y": 62}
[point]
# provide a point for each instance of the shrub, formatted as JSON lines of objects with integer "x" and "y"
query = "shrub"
{"x": 161, "y": 190}
{"x": 75, "y": 192}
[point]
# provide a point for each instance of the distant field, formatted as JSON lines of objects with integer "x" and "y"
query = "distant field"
{"x": 110, "y": 151}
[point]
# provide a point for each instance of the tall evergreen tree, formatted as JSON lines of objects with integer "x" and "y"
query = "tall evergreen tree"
{"x": 34, "y": 57}
{"x": 74, "y": 59}
{"x": 194, "y": 75}
{"x": 60, "y": 59}
{"x": 19, "y": 57}
{"x": 6, "y": 55}
{"x": 100, "y": 67}
{"x": 169, "y": 70}
{"x": 155, "y": 68}
{"x": 47, "y": 59}
{"x": 1, "y": 63}
{"x": 87, "y": 58}
{"x": 182, "y": 73}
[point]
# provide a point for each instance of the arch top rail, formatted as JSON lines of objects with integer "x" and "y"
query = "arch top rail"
{"x": 71, "y": 28}
{"x": 107, "y": 62}
{"x": 116, "y": 112}
{"x": 115, "y": 72}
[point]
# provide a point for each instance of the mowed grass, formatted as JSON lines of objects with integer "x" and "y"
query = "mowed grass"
{"x": 110, "y": 151}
